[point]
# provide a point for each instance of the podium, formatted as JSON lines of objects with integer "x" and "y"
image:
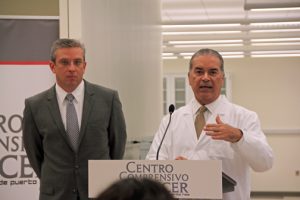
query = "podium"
{"x": 186, "y": 179}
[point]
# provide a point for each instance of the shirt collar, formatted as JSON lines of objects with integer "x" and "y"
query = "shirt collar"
{"x": 211, "y": 107}
{"x": 77, "y": 93}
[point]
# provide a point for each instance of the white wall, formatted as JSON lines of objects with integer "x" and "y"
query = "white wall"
{"x": 123, "y": 41}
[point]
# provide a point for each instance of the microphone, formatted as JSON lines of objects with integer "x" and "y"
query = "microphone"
{"x": 171, "y": 110}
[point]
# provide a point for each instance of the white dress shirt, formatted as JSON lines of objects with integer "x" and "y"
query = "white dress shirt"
{"x": 78, "y": 94}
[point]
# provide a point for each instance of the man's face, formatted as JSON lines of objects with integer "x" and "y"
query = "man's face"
{"x": 206, "y": 78}
{"x": 68, "y": 67}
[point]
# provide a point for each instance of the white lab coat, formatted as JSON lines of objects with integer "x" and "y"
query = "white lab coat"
{"x": 252, "y": 151}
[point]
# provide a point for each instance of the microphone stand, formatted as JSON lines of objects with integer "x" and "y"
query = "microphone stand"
{"x": 171, "y": 110}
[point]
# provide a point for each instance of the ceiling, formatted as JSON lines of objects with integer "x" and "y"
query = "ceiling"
{"x": 232, "y": 27}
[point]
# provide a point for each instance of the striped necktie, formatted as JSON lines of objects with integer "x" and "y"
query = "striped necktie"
{"x": 72, "y": 122}
{"x": 200, "y": 120}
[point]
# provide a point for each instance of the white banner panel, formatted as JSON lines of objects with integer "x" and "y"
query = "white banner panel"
{"x": 24, "y": 71}
{"x": 17, "y": 82}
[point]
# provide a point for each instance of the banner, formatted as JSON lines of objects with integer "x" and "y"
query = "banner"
{"x": 24, "y": 71}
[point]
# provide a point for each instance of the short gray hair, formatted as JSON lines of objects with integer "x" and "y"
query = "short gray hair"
{"x": 65, "y": 43}
{"x": 207, "y": 52}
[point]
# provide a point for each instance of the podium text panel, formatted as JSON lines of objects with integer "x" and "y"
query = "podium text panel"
{"x": 185, "y": 179}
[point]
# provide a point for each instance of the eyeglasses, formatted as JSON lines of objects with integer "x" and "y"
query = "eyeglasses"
{"x": 66, "y": 62}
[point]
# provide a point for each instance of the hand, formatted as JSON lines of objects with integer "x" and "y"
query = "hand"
{"x": 221, "y": 131}
{"x": 180, "y": 158}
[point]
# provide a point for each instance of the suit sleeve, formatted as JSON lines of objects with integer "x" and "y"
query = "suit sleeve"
{"x": 117, "y": 129}
{"x": 32, "y": 140}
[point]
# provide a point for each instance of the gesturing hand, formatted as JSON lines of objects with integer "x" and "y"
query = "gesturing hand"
{"x": 221, "y": 131}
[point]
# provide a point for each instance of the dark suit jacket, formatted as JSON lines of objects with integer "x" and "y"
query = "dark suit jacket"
{"x": 63, "y": 173}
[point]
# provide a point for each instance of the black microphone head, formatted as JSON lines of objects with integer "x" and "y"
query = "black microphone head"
{"x": 171, "y": 108}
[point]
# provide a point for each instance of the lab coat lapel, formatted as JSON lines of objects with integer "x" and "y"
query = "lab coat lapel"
{"x": 189, "y": 120}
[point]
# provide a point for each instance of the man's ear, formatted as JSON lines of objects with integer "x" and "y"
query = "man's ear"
{"x": 52, "y": 66}
{"x": 84, "y": 65}
{"x": 189, "y": 77}
{"x": 223, "y": 79}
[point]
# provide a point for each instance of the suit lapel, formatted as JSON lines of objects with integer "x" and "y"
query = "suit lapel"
{"x": 87, "y": 107}
{"x": 55, "y": 113}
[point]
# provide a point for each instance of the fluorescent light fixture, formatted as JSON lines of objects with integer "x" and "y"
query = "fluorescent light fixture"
{"x": 231, "y": 53}
{"x": 275, "y": 40}
{"x": 234, "y": 56}
{"x": 274, "y": 23}
{"x": 275, "y": 55}
{"x": 187, "y": 54}
{"x": 170, "y": 58}
{"x": 276, "y": 52}
{"x": 199, "y": 25}
{"x": 167, "y": 54}
{"x": 274, "y": 9}
{"x": 275, "y": 30}
{"x": 198, "y": 32}
{"x": 222, "y": 53}
{"x": 276, "y": 44}
{"x": 206, "y": 42}
{"x": 203, "y": 45}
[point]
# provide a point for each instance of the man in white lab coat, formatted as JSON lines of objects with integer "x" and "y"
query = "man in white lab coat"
{"x": 231, "y": 133}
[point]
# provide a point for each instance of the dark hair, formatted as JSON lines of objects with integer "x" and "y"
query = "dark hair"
{"x": 65, "y": 43}
{"x": 207, "y": 52}
{"x": 136, "y": 189}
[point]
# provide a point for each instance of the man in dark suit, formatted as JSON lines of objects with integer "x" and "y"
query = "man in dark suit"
{"x": 60, "y": 135}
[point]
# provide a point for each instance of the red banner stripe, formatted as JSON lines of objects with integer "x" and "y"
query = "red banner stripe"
{"x": 24, "y": 62}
